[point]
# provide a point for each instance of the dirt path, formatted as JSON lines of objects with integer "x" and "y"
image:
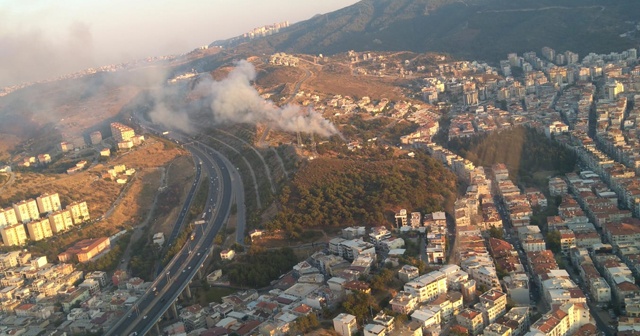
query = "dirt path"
{"x": 284, "y": 170}
{"x": 139, "y": 230}
{"x": 253, "y": 174}
{"x": 264, "y": 163}
{"x": 296, "y": 88}
{"x": 12, "y": 178}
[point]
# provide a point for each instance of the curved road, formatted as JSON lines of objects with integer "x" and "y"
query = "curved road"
{"x": 253, "y": 174}
{"x": 264, "y": 163}
{"x": 238, "y": 191}
{"x": 149, "y": 309}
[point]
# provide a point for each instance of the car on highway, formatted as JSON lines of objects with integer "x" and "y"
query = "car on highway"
{"x": 144, "y": 317}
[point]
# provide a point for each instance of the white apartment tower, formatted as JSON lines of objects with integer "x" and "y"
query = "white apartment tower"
{"x": 39, "y": 229}
{"x": 79, "y": 212}
{"x": 60, "y": 221}
{"x": 122, "y": 132}
{"x": 13, "y": 235}
{"x": 8, "y": 217}
{"x": 48, "y": 203}
{"x": 26, "y": 210}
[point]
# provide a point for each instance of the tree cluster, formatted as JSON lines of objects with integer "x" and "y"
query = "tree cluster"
{"x": 259, "y": 269}
{"x": 524, "y": 151}
{"x": 342, "y": 192}
{"x": 305, "y": 324}
{"x": 383, "y": 280}
{"x": 143, "y": 259}
{"x": 361, "y": 305}
{"x": 553, "y": 241}
{"x": 177, "y": 244}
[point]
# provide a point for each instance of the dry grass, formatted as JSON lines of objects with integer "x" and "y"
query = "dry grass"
{"x": 271, "y": 77}
{"x": 100, "y": 194}
{"x": 138, "y": 199}
{"x": 343, "y": 83}
{"x": 9, "y": 141}
{"x": 78, "y": 115}
{"x": 179, "y": 173}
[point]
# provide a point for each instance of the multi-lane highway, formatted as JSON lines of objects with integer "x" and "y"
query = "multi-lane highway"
{"x": 178, "y": 273}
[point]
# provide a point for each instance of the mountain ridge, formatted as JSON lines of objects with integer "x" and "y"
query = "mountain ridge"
{"x": 480, "y": 29}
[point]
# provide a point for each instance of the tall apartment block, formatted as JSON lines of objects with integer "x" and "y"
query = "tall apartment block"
{"x": 48, "y": 203}
{"x": 79, "y": 212}
{"x": 26, "y": 210}
{"x": 122, "y": 132}
{"x": 13, "y": 235}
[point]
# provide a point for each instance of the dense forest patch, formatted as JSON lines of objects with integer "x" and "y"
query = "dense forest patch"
{"x": 335, "y": 193}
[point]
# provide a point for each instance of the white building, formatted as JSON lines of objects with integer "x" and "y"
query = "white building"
{"x": 427, "y": 287}
{"x": 345, "y": 324}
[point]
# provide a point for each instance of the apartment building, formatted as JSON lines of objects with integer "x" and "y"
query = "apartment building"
{"x": 122, "y": 132}
{"x": 496, "y": 329}
{"x": 600, "y": 290}
{"x": 8, "y": 217}
{"x": 493, "y": 304}
{"x": 95, "y": 137}
{"x": 517, "y": 319}
{"x": 408, "y": 273}
{"x": 39, "y": 229}
{"x": 623, "y": 233}
{"x": 562, "y": 320}
{"x": 60, "y": 221}
{"x": 558, "y": 187}
{"x": 79, "y": 212}
{"x": 13, "y": 235}
{"x": 472, "y": 320}
{"x": 401, "y": 218}
{"x": 345, "y": 324}
{"x": 26, "y": 210}
{"x": 427, "y": 287}
{"x": 404, "y": 303}
{"x": 48, "y": 203}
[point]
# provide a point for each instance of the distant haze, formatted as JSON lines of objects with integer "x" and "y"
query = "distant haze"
{"x": 43, "y": 39}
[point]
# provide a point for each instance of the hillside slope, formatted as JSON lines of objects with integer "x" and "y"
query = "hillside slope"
{"x": 484, "y": 29}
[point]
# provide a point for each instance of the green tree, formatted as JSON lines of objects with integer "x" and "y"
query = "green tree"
{"x": 305, "y": 324}
{"x": 495, "y": 232}
{"x": 382, "y": 280}
{"x": 360, "y": 305}
{"x": 553, "y": 241}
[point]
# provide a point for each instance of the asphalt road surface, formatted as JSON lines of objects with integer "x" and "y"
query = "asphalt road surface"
{"x": 149, "y": 309}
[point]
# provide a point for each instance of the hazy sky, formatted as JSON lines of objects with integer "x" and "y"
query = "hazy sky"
{"x": 40, "y": 39}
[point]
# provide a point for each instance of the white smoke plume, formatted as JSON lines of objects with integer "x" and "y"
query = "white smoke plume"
{"x": 173, "y": 120}
{"x": 235, "y": 100}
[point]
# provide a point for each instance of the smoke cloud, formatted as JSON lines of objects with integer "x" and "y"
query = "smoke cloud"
{"x": 234, "y": 100}
{"x": 176, "y": 120}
